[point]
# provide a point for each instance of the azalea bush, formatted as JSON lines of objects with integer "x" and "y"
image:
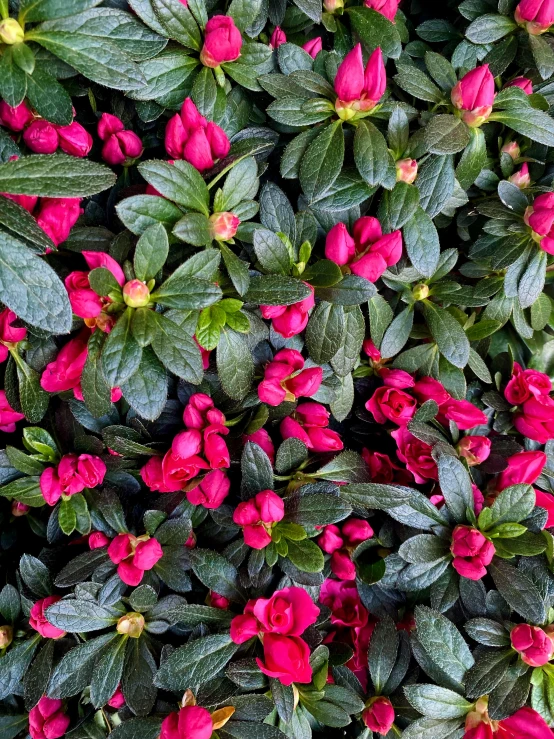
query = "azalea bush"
{"x": 276, "y": 349}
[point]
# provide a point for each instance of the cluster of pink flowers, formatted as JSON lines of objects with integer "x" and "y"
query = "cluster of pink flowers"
{"x": 536, "y": 16}
{"x": 120, "y": 145}
{"x": 73, "y": 474}
{"x": 367, "y": 253}
{"x": 311, "y": 47}
{"x": 189, "y": 136}
{"x": 530, "y": 391}
{"x": 199, "y": 449}
{"x": 359, "y": 89}
{"x": 540, "y": 218}
{"x": 55, "y": 216}
{"x": 85, "y": 303}
{"x": 133, "y": 556}
{"x": 474, "y": 95}
{"x": 47, "y": 719}
{"x": 339, "y": 543}
{"x": 257, "y": 517}
{"x": 534, "y": 645}
{"x": 309, "y": 422}
{"x": 289, "y": 320}
{"x": 285, "y": 378}
{"x": 472, "y": 552}
{"x": 525, "y": 722}
{"x": 280, "y": 622}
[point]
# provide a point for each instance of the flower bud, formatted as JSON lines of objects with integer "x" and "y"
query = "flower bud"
{"x": 224, "y": 226}
{"x": 406, "y": 170}
{"x": 523, "y": 83}
{"x": 15, "y": 118}
{"x": 41, "y": 137}
{"x": 521, "y": 179}
{"x": 475, "y": 449}
{"x": 222, "y": 41}
{"x": 19, "y": 509}
{"x": 331, "y": 6}
{"x": 313, "y": 47}
{"x": 136, "y": 294}
{"x": 474, "y": 95}
{"x": 534, "y": 646}
{"x": 6, "y": 636}
{"x": 511, "y": 148}
{"x": 536, "y": 16}
{"x": 131, "y": 624}
{"x": 379, "y": 715}
{"x": 11, "y": 32}
{"x": 278, "y": 37}
{"x": 420, "y": 292}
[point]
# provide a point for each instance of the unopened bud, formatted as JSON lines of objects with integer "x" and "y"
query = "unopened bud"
{"x": 512, "y": 148}
{"x": 331, "y": 6}
{"x": 6, "y": 636}
{"x": 406, "y": 170}
{"x": 420, "y": 292}
{"x": 131, "y": 624}
{"x": 224, "y": 226}
{"x": 19, "y": 509}
{"x": 136, "y": 294}
{"x": 521, "y": 179}
{"x": 11, "y": 32}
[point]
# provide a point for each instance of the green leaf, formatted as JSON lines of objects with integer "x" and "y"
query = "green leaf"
{"x": 448, "y": 334}
{"x": 375, "y": 30}
{"x": 180, "y": 182}
{"x": 139, "y": 212}
{"x": 325, "y": 332}
{"x": 271, "y": 252}
{"x": 346, "y": 358}
{"x": 489, "y": 28}
{"x": 103, "y": 282}
{"x": 16, "y": 219}
{"x": 382, "y": 652}
{"x": 533, "y": 279}
{"x": 151, "y": 252}
{"x": 422, "y": 243}
{"x": 14, "y": 664}
{"x": 535, "y": 124}
{"x": 351, "y": 290}
{"x": 36, "y": 576}
{"x": 96, "y": 391}
{"x": 12, "y": 724}
{"x": 244, "y": 12}
{"x": 423, "y": 548}
{"x": 519, "y": 591}
{"x": 13, "y": 80}
{"x": 345, "y": 467}
{"x": 305, "y": 555}
{"x": 276, "y": 290}
{"x": 443, "y": 643}
{"x": 137, "y": 681}
{"x": 34, "y": 11}
{"x": 455, "y": 485}
{"x": 186, "y": 293}
{"x": 417, "y": 83}
{"x": 369, "y": 496}
{"x": 216, "y": 573}
{"x": 487, "y": 672}
{"x": 397, "y": 206}
{"x": 54, "y": 176}
{"x": 49, "y": 98}
{"x": 107, "y": 672}
{"x": 397, "y": 333}
{"x": 81, "y": 615}
{"x": 121, "y": 354}
{"x": 436, "y": 702}
{"x": 473, "y": 159}
{"x": 75, "y": 670}
{"x": 236, "y": 268}
{"x": 177, "y": 351}
{"x": 316, "y": 509}
{"x": 146, "y": 389}
{"x": 33, "y": 399}
{"x": 435, "y": 181}
{"x": 67, "y": 517}
{"x": 373, "y": 160}
{"x": 98, "y": 59}
{"x": 25, "y": 490}
{"x": 256, "y": 469}
{"x": 178, "y": 22}
{"x": 446, "y": 134}
{"x": 322, "y": 162}
{"x": 234, "y": 364}
{"x": 195, "y": 663}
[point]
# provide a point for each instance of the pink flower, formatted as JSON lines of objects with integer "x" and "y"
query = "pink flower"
{"x": 278, "y": 37}
{"x": 288, "y": 612}
{"x": 524, "y": 724}
{"x": 39, "y": 622}
{"x": 344, "y": 601}
{"x": 25, "y": 201}
{"x": 511, "y": 148}
{"x": 381, "y": 467}
{"x": 257, "y": 516}
{"x": 15, "y": 118}
{"x": 416, "y": 455}
{"x": 57, "y": 216}
{"x": 379, "y": 715}
{"x": 117, "y": 700}
{"x": 47, "y": 719}
{"x": 522, "y": 82}
{"x": 212, "y": 490}
{"x": 286, "y": 658}
{"x": 387, "y": 8}
{"x": 546, "y": 501}
{"x": 289, "y": 320}
{"x": 97, "y": 540}
{"x": 19, "y": 509}
{"x": 152, "y": 475}
{"x": 535, "y": 647}
{"x": 464, "y": 414}
{"x": 526, "y": 384}
{"x": 536, "y": 419}
{"x": 524, "y": 467}
{"x": 95, "y": 259}
{"x": 74, "y": 140}
{"x": 79, "y": 472}
{"x": 286, "y": 379}
{"x": 191, "y": 722}
{"x": 218, "y": 601}
{"x": 359, "y": 90}
{"x": 368, "y": 252}
{"x": 390, "y": 404}
{"x": 355, "y": 531}
{"x": 331, "y": 540}
{"x": 313, "y": 47}
{"x": 474, "y": 449}
{"x": 309, "y": 424}
{"x": 64, "y": 373}
{"x": 120, "y": 146}
{"x": 245, "y": 626}
{"x": 536, "y": 15}
{"x": 472, "y": 552}
{"x": 371, "y": 350}
{"x": 178, "y": 471}
{"x": 201, "y": 411}
{"x": 474, "y": 95}
{"x": 134, "y": 556}
{"x": 429, "y": 389}
{"x": 41, "y": 137}
{"x": 521, "y": 178}
{"x": 8, "y": 417}
{"x": 406, "y": 170}
{"x": 223, "y": 226}
{"x": 189, "y": 136}
{"x": 263, "y": 440}
{"x": 540, "y": 218}
{"x": 222, "y": 41}
{"x": 8, "y": 334}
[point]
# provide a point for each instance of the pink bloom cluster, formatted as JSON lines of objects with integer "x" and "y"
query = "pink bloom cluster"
{"x": 73, "y": 474}
{"x": 257, "y": 517}
{"x": 280, "y": 621}
{"x": 55, "y": 216}
{"x": 189, "y": 136}
{"x": 339, "y": 543}
{"x": 190, "y": 722}
{"x": 133, "y": 556}
{"x": 359, "y": 90}
{"x": 309, "y": 422}
{"x": 535, "y": 15}
{"x": 120, "y": 146}
{"x": 289, "y": 320}
{"x": 535, "y": 646}
{"x": 530, "y": 390}
{"x": 200, "y": 448}
{"x": 472, "y": 552}
{"x": 367, "y": 253}
{"x": 474, "y": 95}
{"x": 523, "y": 724}
{"x": 47, "y": 719}
{"x": 286, "y": 379}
